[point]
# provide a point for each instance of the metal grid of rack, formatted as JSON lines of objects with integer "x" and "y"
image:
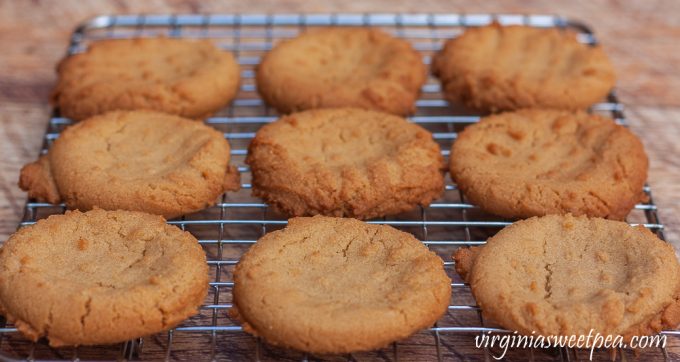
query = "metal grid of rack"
{"x": 238, "y": 220}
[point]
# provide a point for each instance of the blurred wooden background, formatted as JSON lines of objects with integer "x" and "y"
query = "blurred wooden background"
{"x": 641, "y": 37}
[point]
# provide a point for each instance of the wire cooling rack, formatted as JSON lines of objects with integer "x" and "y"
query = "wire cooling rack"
{"x": 238, "y": 220}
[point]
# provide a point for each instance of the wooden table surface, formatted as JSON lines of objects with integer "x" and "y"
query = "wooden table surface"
{"x": 640, "y": 37}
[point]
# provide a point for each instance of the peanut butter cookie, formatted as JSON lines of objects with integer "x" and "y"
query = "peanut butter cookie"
{"x": 496, "y": 68}
{"x": 134, "y": 160}
{"x": 345, "y": 162}
{"x": 189, "y": 78}
{"x": 537, "y": 162}
{"x": 333, "y": 285}
{"x": 342, "y": 67}
{"x": 561, "y": 275}
{"x": 100, "y": 277}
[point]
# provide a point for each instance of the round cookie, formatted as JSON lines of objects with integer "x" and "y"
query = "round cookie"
{"x": 496, "y": 68}
{"x": 338, "y": 286}
{"x": 189, "y": 78}
{"x": 345, "y": 162}
{"x": 134, "y": 160}
{"x": 342, "y": 67}
{"x": 537, "y": 162}
{"x": 100, "y": 277}
{"x": 565, "y": 275}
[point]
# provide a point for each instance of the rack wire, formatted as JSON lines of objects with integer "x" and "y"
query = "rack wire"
{"x": 226, "y": 230}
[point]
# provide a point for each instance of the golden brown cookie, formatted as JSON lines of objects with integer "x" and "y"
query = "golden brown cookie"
{"x": 134, "y": 160}
{"x": 537, "y": 162}
{"x": 345, "y": 162}
{"x": 189, "y": 78}
{"x": 342, "y": 67}
{"x": 565, "y": 275}
{"x": 496, "y": 68}
{"x": 333, "y": 285}
{"x": 100, "y": 277}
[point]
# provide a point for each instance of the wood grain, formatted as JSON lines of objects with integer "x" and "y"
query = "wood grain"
{"x": 640, "y": 37}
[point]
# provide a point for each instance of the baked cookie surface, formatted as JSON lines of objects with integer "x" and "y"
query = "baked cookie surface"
{"x": 345, "y": 162}
{"x": 496, "y": 68}
{"x": 537, "y": 162}
{"x": 134, "y": 160}
{"x": 342, "y": 67}
{"x": 566, "y": 275}
{"x": 333, "y": 285}
{"x": 192, "y": 79}
{"x": 100, "y": 277}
